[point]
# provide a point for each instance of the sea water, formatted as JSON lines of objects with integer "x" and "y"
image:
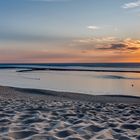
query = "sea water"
{"x": 86, "y": 82}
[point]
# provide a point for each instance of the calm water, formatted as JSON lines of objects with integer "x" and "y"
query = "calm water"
{"x": 95, "y": 83}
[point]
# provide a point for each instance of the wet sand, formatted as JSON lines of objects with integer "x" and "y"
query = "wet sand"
{"x": 31, "y": 114}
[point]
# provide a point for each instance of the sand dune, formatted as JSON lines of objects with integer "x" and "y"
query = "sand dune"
{"x": 46, "y": 115}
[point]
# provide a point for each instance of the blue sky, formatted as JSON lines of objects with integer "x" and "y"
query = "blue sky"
{"x": 56, "y": 30}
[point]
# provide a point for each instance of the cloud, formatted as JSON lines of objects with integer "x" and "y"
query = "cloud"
{"x": 96, "y": 40}
{"x": 108, "y": 44}
{"x": 131, "y": 5}
{"x": 105, "y": 49}
{"x": 133, "y": 48}
{"x": 128, "y": 45}
{"x": 93, "y": 27}
{"x": 132, "y": 42}
{"x": 120, "y": 47}
{"x": 114, "y": 47}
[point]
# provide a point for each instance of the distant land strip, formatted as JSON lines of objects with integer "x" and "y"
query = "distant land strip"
{"x": 63, "y": 69}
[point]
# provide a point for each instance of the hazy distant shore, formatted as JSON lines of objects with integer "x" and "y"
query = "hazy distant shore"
{"x": 89, "y": 67}
{"x": 43, "y": 114}
{"x": 26, "y": 69}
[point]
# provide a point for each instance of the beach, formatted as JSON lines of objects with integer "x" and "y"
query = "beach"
{"x": 69, "y": 70}
{"x": 33, "y": 114}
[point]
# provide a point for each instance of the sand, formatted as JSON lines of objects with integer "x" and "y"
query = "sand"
{"x": 30, "y": 114}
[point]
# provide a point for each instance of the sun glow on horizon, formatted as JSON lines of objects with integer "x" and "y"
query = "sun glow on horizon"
{"x": 65, "y": 31}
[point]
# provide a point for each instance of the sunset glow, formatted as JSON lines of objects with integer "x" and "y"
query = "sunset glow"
{"x": 57, "y": 31}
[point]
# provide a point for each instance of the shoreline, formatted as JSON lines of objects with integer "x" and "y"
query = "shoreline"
{"x": 77, "y": 96}
{"x": 82, "y": 96}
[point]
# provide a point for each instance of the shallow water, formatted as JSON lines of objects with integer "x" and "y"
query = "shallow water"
{"x": 96, "y": 83}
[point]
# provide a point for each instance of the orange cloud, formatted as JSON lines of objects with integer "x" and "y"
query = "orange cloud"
{"x": 132, "y": 43}
{"x": 106, "y": 49}
{"x": 108, "y": 44}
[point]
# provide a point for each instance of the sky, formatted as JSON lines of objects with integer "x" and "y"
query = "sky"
{"x": 69, "y": 31}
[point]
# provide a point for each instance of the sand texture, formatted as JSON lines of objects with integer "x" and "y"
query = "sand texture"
{"x": 46, "y": 115}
